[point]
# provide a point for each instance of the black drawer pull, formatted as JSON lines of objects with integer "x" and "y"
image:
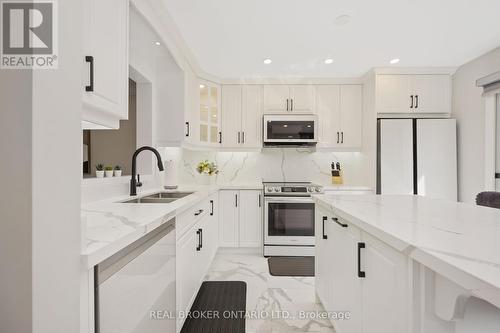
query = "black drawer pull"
{"x": 361, "y": 274}
{"x": 90, "y": 60}
{"x": 201, "y": 238}
{"x": 212, "y": 208}
{"x": 187, "y": 129}
{"x": 198, "y": 247}
{"x": 198, "y": 212}
{"x": 324, "y": 219}
{"x": 336, "y": 220}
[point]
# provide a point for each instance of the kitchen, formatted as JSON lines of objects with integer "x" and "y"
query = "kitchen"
{"x": 314, "y": 187}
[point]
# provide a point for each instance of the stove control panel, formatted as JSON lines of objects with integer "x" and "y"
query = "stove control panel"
{"x": 292, "y": 190}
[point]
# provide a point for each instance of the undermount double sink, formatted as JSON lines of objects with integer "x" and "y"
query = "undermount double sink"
{"x": 160, "y": 197}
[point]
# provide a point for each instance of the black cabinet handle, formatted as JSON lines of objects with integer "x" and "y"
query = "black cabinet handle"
{"x": 287, "y": 104}
{"x": 90, "y": 60}
{"x": 187, "y": 128}
{"x": 361, "y": 274}
{"x": 220, "y": 137}
{"x": 198, "y": 247}
{"x": 291, "y": 103}
{"x": 411, "y": 106}
{"x": 342, "y": 137}
{"x": 242, "y": 137}
{"x": 239, "y": 137}
{"x": 236, "y": 200}
{"x": 336, "y": 220}
{"x": 324, "y": 219}
{"x": 201, "y": 238}
{"x": 198, "y": 212}
{"x": 260, "y": 197}
{"x": 416, "y": 101}
{"x": 212, "y": 208}
{"x": 338, "y": 137}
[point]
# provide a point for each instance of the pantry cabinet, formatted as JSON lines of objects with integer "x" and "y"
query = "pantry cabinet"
{"x": 241, "y": 116}
{"x": 240, "y": 218}
{"x": 416, "y": 94}
{"x": 340, "y": 109}
{"x": 289, "y": 98}
{"x": 360, "y": 274}
{"x": 105, "y": 62}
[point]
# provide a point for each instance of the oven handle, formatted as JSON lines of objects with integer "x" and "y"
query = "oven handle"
{"x": 288, "y": 199}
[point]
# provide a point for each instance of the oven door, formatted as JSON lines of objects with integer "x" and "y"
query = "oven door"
{"x": 300, "y": 129}
{"x": 289, "y": 221}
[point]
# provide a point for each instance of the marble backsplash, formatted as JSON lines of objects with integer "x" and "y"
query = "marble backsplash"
{"x": 271, "y": 164}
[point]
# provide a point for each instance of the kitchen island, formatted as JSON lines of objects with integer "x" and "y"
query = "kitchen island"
{"x": 406, "y": 263}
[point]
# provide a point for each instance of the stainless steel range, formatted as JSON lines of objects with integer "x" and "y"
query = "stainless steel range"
{"x": 289, "y": 218}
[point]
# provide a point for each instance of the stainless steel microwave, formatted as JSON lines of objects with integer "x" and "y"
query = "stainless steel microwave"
{"x": 290, "y": 129}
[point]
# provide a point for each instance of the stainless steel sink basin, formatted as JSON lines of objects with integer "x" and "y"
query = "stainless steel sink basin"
{"x": 169, "y": 195}
{"x": 160, "y": 197}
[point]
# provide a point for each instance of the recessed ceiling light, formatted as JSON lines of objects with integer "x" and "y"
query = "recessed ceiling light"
{"x": 394, "y": 61}
{"x": 202, "y": 86}
{"x": 342, "y": 20}
{"x": 328, "y": 61}
{"x": 157, "y": 43}
{"x": 267, "y": 61}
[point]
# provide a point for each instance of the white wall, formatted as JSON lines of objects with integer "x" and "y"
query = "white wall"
{"x": 40, "y": 144}
{"x": 467, "y": 109}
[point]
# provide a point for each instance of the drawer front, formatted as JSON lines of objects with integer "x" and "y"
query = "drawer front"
{"x": 192, "y": 216}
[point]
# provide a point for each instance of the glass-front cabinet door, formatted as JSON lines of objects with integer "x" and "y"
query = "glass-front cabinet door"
{"x": 209, "y": 113}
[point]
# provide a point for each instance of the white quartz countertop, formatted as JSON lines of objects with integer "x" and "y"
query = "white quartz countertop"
{"x": 446, "y": 236}
{"x": 110, "y": 225}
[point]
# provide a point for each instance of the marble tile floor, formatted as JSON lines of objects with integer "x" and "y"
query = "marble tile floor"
{"x": 274, "y": 304}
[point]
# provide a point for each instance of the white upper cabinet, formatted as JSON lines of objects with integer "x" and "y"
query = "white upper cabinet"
{"x": 251, "y": 116}
{"x": 340, "y": 109}
{"x": 288, "y": 98}
{"x": 191, "y": 105}
{"x": 432, "y": 93}
{"x": 276, "y": 98}
{"x": 105, "y": 62}
{"x": 231, "y": 115}
{"x": 302, "y": 98}
{"x": 418, "y": 94}
{"x": 241, "y": 116}
{"x": 351, "y": 113}
{"x": 328, "y": 109}
{"x": 209, "y": 114}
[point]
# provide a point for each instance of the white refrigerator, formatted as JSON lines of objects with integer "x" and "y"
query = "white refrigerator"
{"x": 417, "y": 156}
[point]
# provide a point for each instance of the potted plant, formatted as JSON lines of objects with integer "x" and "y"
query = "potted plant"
{"x": 108, "y": 171}
{"x": 207, "y": 169}
{"x": 118, "y": 171}
{"x": 99, "y": 170}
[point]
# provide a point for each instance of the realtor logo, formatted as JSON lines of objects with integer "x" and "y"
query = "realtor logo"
{"x": 28, "y": 34}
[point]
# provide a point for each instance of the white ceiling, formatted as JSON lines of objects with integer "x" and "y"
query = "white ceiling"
{"x": 230, "y": 38}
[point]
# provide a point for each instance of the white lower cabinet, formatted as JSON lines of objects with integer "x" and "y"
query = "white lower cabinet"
{"x": 196, "y": 249}
{"x": 358, "y": 273}
{"x": 240, "y": 218}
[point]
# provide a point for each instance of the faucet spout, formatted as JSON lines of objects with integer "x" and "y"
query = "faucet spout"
{"x": 133, "y": 181}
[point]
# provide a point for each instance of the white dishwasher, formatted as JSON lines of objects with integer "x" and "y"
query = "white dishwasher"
{"x": 135, "y": 288}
